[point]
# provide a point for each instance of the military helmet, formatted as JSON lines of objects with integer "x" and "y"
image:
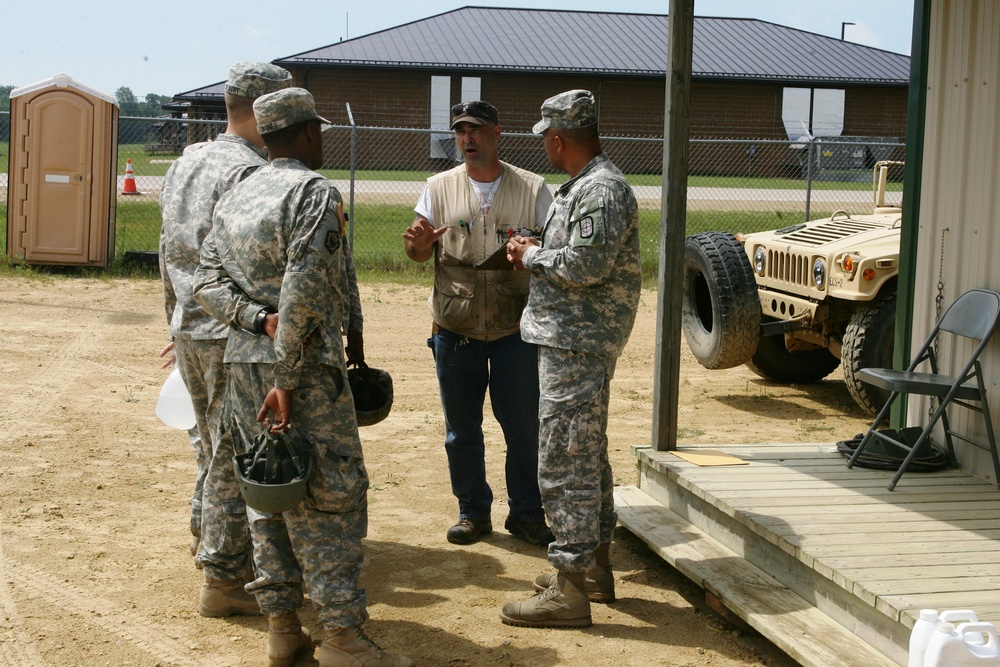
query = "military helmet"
{"x": 372, "y": 389}
{"x": 274, "y": 474}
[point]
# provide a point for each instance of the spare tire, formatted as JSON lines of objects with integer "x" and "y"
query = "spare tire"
{"x": 720, "y": 309}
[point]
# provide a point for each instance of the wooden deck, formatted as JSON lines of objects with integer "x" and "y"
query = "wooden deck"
{"x": 825, "y": 561}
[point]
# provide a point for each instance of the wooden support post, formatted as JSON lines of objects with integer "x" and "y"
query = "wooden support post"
{"x": 673, "y": 220}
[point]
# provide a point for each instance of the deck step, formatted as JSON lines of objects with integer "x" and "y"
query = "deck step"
{"x": 806, "y": 634}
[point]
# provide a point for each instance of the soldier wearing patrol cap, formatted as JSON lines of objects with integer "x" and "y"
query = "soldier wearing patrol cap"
{"x": 191, "y": 188}
{"x": 585, "y": 285}
{"x": 277, "y": 249}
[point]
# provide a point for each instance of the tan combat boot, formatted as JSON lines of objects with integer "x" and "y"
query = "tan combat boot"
{"x": 221, "y": 597}
{"x": 600, "y": 581}
{"x": 287, "y": 640}
{"x": 350, "y": 647}
{"x": 562, "y": 605}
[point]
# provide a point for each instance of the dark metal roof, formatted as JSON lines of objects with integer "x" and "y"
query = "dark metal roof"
{"x": 207, "y": 93}
{"x": 610, "y": 43}
{"x": 539, "y": 40}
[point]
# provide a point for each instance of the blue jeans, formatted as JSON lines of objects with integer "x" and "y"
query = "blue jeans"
{"x": 509, "y": 368}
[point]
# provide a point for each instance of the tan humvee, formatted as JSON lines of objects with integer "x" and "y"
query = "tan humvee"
{"x": 795, "y": 303}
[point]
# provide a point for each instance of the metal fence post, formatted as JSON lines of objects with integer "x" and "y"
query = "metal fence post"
{"x": 809, "y": 174}
{"x": 354, "y": 152}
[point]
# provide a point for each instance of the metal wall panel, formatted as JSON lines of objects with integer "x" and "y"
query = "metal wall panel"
{"x": 959, "y": 217}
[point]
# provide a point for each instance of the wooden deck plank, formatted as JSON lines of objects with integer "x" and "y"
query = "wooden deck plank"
{"x": 881, "y": 537}
{"x": 936, "y": 584}
{"x": 796, "y": 627}
{"x": 928, "y": 560}
{"x": 944, "y": 547}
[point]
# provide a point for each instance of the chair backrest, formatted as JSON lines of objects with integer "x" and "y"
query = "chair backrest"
{"x": 973, "y": 315}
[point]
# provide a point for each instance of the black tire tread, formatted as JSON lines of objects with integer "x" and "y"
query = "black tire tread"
{"x": 736, "y": 307}
{"x": 859, "y": 351}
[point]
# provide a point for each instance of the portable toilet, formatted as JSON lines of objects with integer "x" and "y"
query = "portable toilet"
{"x": 62, "y": 180}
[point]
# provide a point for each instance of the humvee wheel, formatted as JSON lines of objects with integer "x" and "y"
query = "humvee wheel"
{"x": 772, "y": 361}
{"x": 720, "y": 309}
{"x": 868, "y": 343}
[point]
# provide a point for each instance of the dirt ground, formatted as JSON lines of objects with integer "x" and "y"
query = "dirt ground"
{"x": 94, "y": 563}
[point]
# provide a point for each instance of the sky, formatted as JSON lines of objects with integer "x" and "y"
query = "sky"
{"x": 172, "y": 47}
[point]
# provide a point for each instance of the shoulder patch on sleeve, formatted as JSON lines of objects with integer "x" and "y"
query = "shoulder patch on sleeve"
{"x": 587, "y": 222}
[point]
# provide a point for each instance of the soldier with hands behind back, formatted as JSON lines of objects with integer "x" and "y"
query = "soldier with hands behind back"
{"x": 275, "y": 265}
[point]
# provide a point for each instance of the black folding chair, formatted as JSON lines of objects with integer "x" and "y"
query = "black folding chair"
{"x": 974, "y": 316}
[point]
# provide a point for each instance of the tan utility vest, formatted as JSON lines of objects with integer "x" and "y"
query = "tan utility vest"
{"x": 484, "y": 305}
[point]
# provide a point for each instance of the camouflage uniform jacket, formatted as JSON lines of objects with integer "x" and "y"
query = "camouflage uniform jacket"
{"x": 585, "y": 277}
{"x": 278, "y": 240}
{"x": 193, "y": 185}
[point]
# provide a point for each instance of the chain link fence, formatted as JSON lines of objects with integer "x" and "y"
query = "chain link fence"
{"x": 735, "y": 185}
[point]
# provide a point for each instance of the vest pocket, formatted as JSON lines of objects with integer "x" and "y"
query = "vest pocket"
{"x": 454, "y": 307}
{"x": 512, "y": 296}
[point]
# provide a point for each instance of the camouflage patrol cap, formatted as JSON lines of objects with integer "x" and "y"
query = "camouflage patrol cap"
{"x": 284, "y": 108}
{"x": 567, "y": 111}
{"x": 252, "y": 79}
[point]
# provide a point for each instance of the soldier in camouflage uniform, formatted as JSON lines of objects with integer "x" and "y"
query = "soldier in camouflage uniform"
{"x": 191, "y": 188}
{"x": 275, "y": 265}
{"x": 585, "y": 284}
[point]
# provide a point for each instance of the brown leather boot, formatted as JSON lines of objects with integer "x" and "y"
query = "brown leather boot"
{"x": 599, "y": 582}
{"x": 287, "y": 640}
{"x": 350, "y": 647}
{"x": 562, "y": 605}
{"x": 226, "y": 597}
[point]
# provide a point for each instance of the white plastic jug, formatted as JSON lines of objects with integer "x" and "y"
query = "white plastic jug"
{"x": 968, "y": 645}
{"x": 921, "y": 634}
{"x": 174, "y": 407}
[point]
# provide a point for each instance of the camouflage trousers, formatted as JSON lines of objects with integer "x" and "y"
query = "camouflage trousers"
{"x": 574, "y": 473}
{"x": 218, "y": 513}
{"x": 317, "y": 544}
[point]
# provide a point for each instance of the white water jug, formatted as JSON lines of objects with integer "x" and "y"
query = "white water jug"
{"x": 921, "y": 634}
{"x": 174, "y": 407}
{"x": 968, "y": 645}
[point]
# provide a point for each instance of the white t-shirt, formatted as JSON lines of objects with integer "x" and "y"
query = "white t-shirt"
{"x": 486, "y": 192}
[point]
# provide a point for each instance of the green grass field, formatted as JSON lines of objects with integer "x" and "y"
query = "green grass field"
{"x": 378, "y": 228}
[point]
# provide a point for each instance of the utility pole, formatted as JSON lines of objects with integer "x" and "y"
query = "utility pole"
{"x": 844, "y": 25}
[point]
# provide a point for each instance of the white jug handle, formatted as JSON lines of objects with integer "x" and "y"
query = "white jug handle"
{"x": 956, "y": 615}
{"x": 979, "y": 630}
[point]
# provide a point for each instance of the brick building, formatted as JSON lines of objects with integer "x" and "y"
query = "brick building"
{"x": 750, "y": 80}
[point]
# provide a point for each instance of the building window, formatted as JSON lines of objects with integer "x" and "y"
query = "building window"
{"x": 812, "y": 112}
{"x": 442, "y": 143}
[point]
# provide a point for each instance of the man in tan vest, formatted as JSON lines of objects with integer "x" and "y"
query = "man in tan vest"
{"x": 463, "y": 216}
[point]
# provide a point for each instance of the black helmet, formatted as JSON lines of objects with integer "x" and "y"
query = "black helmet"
{"x": 372, "y": 389}
{"x": 274, "y": 474}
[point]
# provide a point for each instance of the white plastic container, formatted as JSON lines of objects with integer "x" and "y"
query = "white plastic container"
{"x": 968, "y": 645}
{"x": 174, "y": 406}
{"x": 921, "y": 634}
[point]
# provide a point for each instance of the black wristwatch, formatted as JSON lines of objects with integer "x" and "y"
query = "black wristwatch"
{"x": 258, "y": 322}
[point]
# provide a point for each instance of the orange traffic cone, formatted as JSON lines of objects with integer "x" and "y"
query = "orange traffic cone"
{"x": 129, "y": 187}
